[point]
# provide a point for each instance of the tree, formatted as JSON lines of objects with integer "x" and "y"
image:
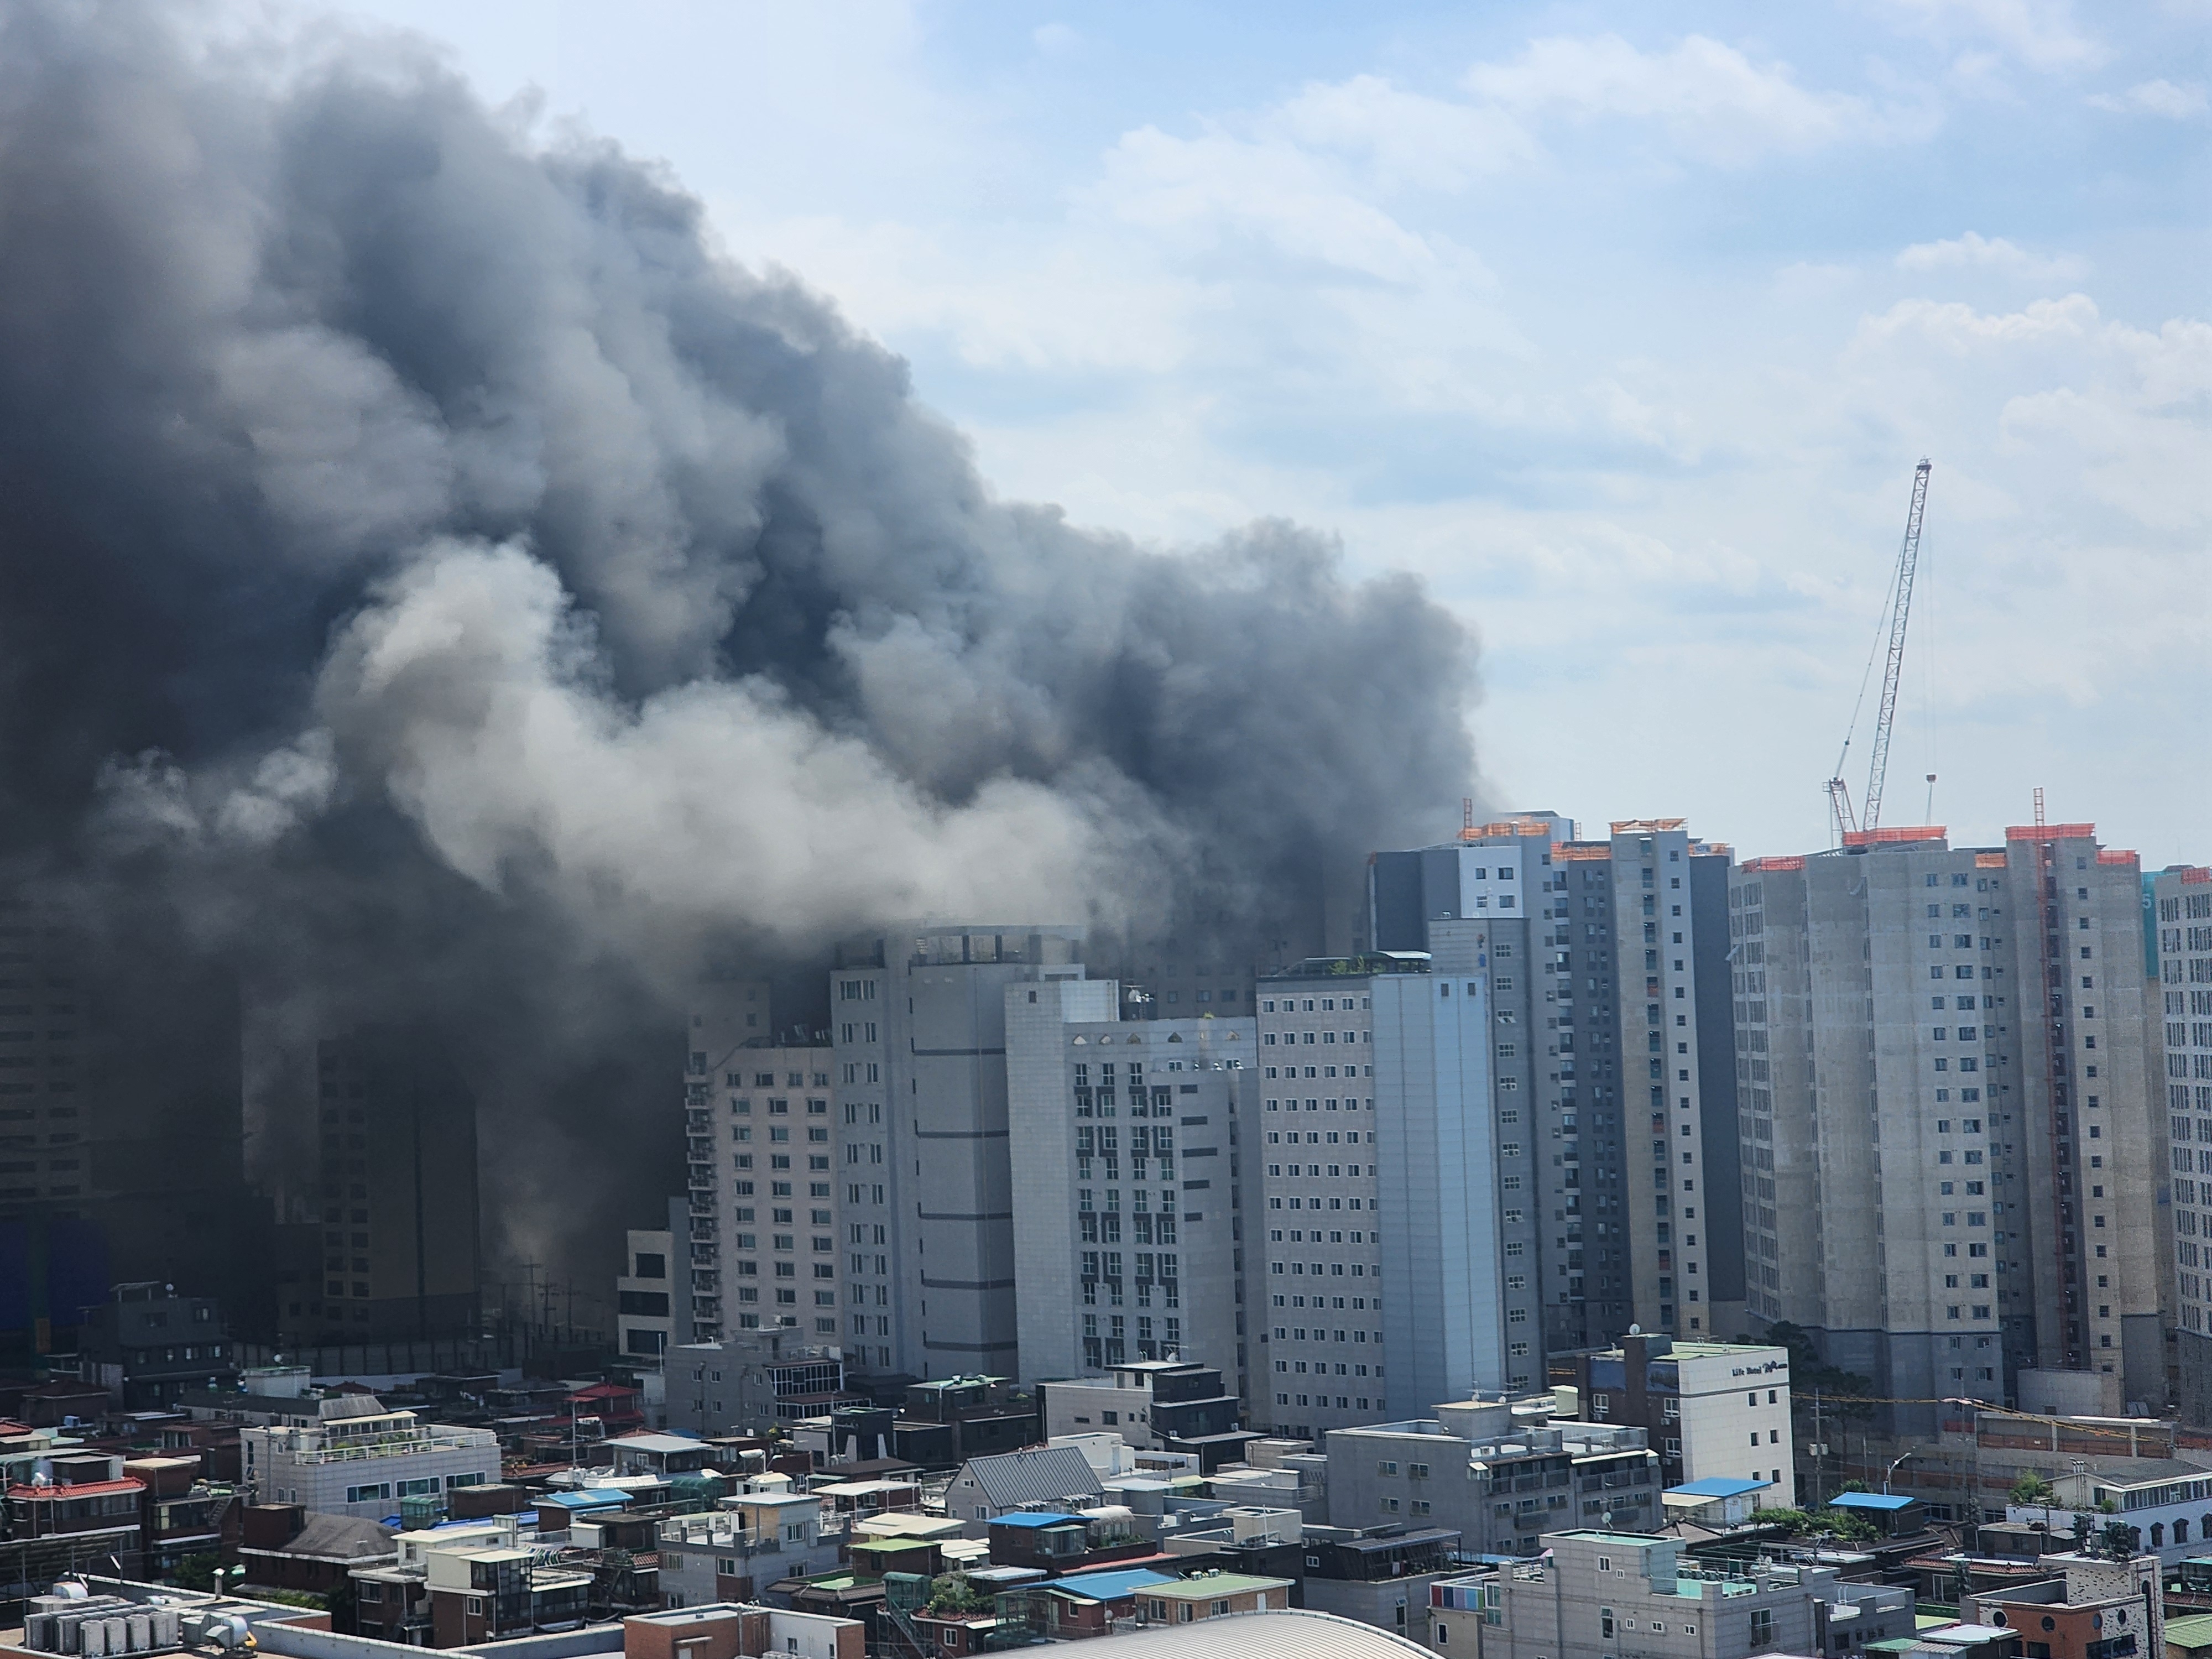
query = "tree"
{"x": 1809, "y": 1373}
{"x": 2119, "y": 1540}
{"x": 1829, "y": 1523}
{"x": 196, "y": 1572}
{"x": 2032, "y": 1488}
{"x": 342, "y": 1606}
{"x": 951, "y": 1593}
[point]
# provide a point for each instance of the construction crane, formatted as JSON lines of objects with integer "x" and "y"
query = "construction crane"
{"x": 1898, "y": 613}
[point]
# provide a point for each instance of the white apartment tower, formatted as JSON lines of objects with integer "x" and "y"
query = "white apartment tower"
{"x": 2181, "y": 942}
{"x": 918, "y": 1025}
{"x": 1613, "y": 971}
{"x": 762, "y": 1136}
{"x": 1949, "y": 1169}
{"x": 1395, "y": 1182}
{"x": 1123, "y": 1138}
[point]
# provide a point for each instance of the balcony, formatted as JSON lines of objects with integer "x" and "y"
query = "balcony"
{"x": 407, "y": 1445}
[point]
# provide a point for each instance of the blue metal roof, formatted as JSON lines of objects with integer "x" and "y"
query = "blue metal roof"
{"x": 1717, "y": 1486}
{"x": 1030, "y": 1519}
{"x": 1109, "y": 1586}
{"x": 1866, "y": 1500}
{"x": 585, "y": 1500}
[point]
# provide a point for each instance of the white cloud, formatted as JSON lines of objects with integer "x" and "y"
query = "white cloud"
{"x": 2066, "y": 404}
{"x": 1714, "y": 102}
{"x": 1192, "y": 191}
{"x": 1974, "y": 252}
{"x": 1406, "y": 137}
{"x": 2158, "y": 97}
{"x": 1960, "y": 329}
{"x": 2040, "y": 33}
{"x": 1056, "y": 39}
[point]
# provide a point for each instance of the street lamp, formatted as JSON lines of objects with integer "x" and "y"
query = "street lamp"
{"x": 1891, "y": 1470}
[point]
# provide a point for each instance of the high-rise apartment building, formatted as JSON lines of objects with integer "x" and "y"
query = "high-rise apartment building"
{"x": 121, "y": 1126}
{"x": 1624, "y": 1036}
{"x": 397, "y": 1226}
{"x": 1125, "y": 1152}
{"x": 918, "y": 1029}
{"x": 763, "y": 1143}
{"x": 2181, "y": 961}
{"x": 1393, "y": 1192}
{"x": 1950, "y": 1171}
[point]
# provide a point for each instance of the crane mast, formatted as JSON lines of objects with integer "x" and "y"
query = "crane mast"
{"x": 1908, "y": 559}
{"x": 1901, "y": 613}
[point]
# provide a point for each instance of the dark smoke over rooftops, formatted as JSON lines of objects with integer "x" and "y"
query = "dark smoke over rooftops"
{"x": 435, "y": 582}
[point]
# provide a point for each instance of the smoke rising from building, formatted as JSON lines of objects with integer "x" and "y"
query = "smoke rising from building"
{"x": 437, "y": 585}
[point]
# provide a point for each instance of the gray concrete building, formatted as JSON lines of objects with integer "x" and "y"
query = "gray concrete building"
{"x": 751, "y": 1382}
{"x": 1379, "y": 1084}
{"x": 1606, "y": 1591}
{"x": 2180, "y": 941}
{"x": 400, "y": 1242}
{"x": 1623, "y": 951}
{"x": 1950, "y": 1173}
{"x": 918, "y": 1025}
{"x": 652, "y": 1292}
{"x": 121, "y": 1127}
{"x": 1123, "y": 1137}
{"x": 1501, "y": 1473}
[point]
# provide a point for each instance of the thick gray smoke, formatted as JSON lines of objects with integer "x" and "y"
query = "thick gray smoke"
{"x": 439, "y": 585}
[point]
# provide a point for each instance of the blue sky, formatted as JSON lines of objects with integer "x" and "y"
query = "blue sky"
{"x": 1622, "y": 325}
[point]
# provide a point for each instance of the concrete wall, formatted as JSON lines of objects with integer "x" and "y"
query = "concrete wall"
{"x": 1444, "y": 1189}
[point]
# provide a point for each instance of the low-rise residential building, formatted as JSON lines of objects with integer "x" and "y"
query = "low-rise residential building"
{"x": 179, "y": 1514}
{"x": 1501, "y": 1474}
{"x": 147, "y": 1346}
{"x": 1211, "y": 1596}
{"x": 1158, "y": 1405}
{"x": 284, "y": 1547}
{"x": 1379, "y": 1576}
{"x": 2096, "y": 1608}
{"x": 985, "y": 1488}
{"x": 2167, "y": 1500}
{"x": 736, "y": 1551}
{"x": 1851, "y": 1620}
{"x": 941, "y": 1424}
{"x": 727, "y": 1631}
{"x": 354, "y": 1457}
{"x": 666, "y": 1455}
{"x": 1614, "y": 1592}
{"x": 752, "y": 1381}
{"x": 1713, "y": 1410}
{"x": 80, "y": 1504}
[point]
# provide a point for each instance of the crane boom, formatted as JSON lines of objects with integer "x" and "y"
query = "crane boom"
{"x": 1908, "y": 559}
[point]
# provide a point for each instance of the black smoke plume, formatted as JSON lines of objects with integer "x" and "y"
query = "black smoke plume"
{"x": 436, "y": 586}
